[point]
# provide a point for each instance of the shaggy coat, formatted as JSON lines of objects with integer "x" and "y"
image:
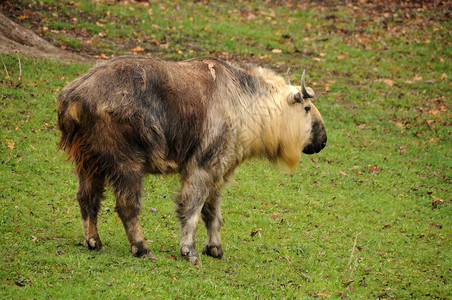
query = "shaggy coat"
{"x": 200, "y": 118}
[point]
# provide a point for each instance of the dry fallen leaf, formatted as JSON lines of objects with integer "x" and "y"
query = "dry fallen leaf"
{"x": 323, "y": 294}
{"x": 101, "y": 56}
{"x": 347, "y": 282}
{"x": 400, "y": 125}
{"x": 388, "y": 82}
{"x": 137, "y": 49}
{"x": 276, "y": 50}
{"x": 374, "y": 169}
{"x": 436, "y": 201}
{"x": 10, "y": 144}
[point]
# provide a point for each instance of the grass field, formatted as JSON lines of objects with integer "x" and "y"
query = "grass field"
{"x": 368, "y": 217}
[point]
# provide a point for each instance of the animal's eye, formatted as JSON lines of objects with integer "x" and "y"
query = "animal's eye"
{"x": 307, "y": 109}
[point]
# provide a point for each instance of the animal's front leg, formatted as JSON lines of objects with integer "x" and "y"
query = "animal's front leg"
{"x": 189, "y": 205}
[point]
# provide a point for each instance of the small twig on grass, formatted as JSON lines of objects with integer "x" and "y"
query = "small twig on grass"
{"x": 348, "y": 267}
{"x": 20, "y": 65}
{"x": 302, "y": 275}
{"x": 6, "y": 70}
{"x": 20, "y": 69}
{"x": 6, "y": 251}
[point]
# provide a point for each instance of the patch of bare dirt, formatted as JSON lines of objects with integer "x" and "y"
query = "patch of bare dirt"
{"x": 15, "y": 38}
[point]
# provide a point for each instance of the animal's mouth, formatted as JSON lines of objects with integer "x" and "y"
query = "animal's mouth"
{"x": 312, "y": 149}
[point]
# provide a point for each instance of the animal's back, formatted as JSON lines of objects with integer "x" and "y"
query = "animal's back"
{"x": 155, "y": 108}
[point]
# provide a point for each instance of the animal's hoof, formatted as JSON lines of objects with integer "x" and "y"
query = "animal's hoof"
{"x": 214, "y": 251}
{"x": 194, "y": 260}
{"x": 93, "y": 244}
{"x": 189, "y": 253}
{"x": 140, "y": 249}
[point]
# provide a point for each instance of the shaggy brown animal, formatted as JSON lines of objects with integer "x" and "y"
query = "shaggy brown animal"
{"x": 200, "y": 118}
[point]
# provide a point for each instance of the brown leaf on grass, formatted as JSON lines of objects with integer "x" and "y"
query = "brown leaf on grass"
{"x": 436, "y": 201}
{"x": 20, "y": 282}
{"x": 254, "y": 233}
{"x": 137, "y": 49}
{"x": 400, "y": 125}
{"x": 388, "y": 82}
{"x": 402, "y": 149}
{"x": 323, "y": 294}
{"x": 374, "y": 169}
{"x": 101, "y": 56}
{"x": 10, "y": 144}
{"x": 387, "y": 226}
{"x": 59, "y": 252}
{"x": 414, "y": 79}
{"x": 347, "y": 282}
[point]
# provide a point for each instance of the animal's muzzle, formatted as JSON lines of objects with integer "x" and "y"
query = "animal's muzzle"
{"x": 318, "y": 138}
{"x": 311, "y": 148}
{"x": 316, "y": 145}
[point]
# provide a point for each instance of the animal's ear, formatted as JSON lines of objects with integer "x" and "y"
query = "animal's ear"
{"x": 295, "y": 98}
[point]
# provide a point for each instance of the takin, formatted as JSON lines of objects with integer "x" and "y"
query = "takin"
{"x": 201, "y": 118}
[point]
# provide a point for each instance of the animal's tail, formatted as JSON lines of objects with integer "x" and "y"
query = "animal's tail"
{"x": 75, "y": 139}
{"x": 66, "y": 124}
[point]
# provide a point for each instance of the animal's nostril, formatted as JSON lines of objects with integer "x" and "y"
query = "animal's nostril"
{"x": 323, "y": 144}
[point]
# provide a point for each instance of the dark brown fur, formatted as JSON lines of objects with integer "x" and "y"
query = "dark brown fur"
{"x": 200, "y": 118}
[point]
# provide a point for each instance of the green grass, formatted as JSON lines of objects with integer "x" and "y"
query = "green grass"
{"x": 384, "y": 179}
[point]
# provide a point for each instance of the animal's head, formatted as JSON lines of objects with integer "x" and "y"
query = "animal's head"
{"x": 313, "y": 129}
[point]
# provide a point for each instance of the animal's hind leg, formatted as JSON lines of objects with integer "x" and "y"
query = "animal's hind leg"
{"x": 127, "y": 188}
{"x": 211, "y": 215}
{"x": 90, "y": 194}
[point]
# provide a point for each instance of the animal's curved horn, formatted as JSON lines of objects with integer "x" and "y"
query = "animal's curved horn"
{"x": 286, "y": 78}
{"x": 306, "y": 94}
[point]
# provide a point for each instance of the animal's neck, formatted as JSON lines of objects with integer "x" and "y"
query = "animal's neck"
{"x": 259, "y": 128}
